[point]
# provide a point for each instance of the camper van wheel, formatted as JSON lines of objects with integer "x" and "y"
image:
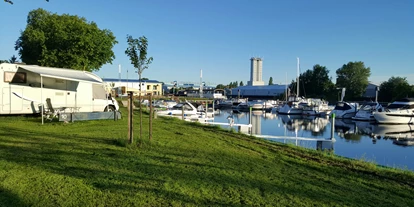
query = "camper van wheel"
{"x": 109, "y": 108}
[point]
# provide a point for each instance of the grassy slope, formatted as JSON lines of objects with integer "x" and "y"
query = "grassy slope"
{"x": 86, "y": 164}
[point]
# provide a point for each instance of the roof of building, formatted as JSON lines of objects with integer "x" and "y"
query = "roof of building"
{"x": 129, "y": 80}
{"x": 265, "y": 87}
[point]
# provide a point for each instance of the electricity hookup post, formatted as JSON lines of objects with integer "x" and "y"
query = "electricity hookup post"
{"x": 333, "y": 128}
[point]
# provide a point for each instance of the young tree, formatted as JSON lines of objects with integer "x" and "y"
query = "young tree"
{"x": 271, "y": 81}
{"x": 137, "y": 53}
{"x": 64, "y": 41}
{"x": 354, "y": 77}
{"x": 13, "y": 59}
{"x": 241, "y": 83}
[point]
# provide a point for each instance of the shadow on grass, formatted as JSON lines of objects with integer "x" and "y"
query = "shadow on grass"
{"x": 172, "y": 172}
{"x": 8, "y": 198}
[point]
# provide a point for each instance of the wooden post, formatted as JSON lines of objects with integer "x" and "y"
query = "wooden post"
{"x": 130, "y": 113}
{"x": 150, "y": 117}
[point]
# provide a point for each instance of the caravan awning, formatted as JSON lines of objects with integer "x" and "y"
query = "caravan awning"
{"x": 60, "y": 73}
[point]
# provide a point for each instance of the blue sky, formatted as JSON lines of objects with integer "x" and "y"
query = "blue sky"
{"x": 220, "y": 36}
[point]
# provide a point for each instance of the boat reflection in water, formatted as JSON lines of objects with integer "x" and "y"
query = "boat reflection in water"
{"x": 354, "y": 139}
{"x": 401, "y": 134}
{"x": 316, "y": 125}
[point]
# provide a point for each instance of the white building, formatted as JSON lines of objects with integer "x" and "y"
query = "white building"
{"x": 256, "y": 67}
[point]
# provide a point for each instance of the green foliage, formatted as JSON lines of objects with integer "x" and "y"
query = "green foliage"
{"x": 271, "y": 81}
{"x": 233, "y": 85}
{"x": 64, "y": 41}
{"x": 13, "y": 59}
{"x": 354, "y": 77}
{"x": 241, "y": 83}
{"x": 4, "y": 61}
{"x": 220, "y": 86}
{"x": 315, "y": 82}
{"x": 90, "y": 164}
{"x": 394, "y": 88}
{"x": 137, "y": 53}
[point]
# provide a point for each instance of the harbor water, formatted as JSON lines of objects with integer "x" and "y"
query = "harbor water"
{"x": 388, "y": 145}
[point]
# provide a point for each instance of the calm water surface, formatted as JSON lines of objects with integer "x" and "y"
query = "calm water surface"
{"x": 354, "y": 139}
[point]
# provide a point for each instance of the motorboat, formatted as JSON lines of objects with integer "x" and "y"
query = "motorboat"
{"x": 223, "y": 104}
{"x": 365, "y": 112}
{"x": 294, "y": 106}
{"x": 316, "y": 107}
{"x": 398, "y": 112}
{"x": 181, "y": 109}
{"x": 345, "y": 110}
{"x": 260, "y": 105}
{"x": 244, "y": 106}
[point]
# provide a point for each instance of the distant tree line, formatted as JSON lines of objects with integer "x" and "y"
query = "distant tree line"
{"x": 353, "y": 76}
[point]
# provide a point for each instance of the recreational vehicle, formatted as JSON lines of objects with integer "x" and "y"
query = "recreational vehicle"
{"x": 25, "y": 89}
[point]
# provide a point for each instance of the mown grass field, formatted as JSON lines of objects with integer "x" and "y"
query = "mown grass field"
{"x": 89, "y": 164}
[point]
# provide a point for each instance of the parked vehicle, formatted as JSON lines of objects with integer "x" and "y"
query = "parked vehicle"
{"x": 25, "y": 89}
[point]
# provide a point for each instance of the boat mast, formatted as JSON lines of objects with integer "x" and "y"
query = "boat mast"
{"x": 297, "y": 80}
{"x": 286, "y": 89}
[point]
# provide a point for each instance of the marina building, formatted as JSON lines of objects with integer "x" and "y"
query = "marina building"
{"x": 121, "y": 86}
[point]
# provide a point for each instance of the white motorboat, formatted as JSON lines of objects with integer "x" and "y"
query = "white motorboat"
{"x": 260, "y": 105}
{"x": 365, "y": 112}
{"x": 177, "y": 110}
{"x": 345, "y": 110}
{"x": 398, "y": 112}
{"x": 315, "y": 107}
{"x": 294, "y": 106}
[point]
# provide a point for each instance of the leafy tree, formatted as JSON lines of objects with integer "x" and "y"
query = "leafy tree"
{"x": 394, "y": 88}
{"x": 235, "y": 84}
{"x": 144, "y": 79}
{"x": 11, "y": 2}
{"x": 4, "y": 61}
{"x": 13, "y": 59}
{"x": 315, "y": 82}
{"x": 64, "y": 41}
{"x": 241, "y": 83}
{"x": 354, "y": 77}
{"x": 137, "y": 53}
{"x": 220, "y": 86}
{"x": 271, "y": 81}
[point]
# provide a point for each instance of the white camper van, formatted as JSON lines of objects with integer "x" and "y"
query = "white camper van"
{"x": 24, "y": 89}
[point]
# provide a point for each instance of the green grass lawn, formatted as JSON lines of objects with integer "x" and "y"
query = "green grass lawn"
{"x": 88, "y": 163}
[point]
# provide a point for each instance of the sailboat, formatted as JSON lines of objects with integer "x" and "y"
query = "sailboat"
{"x": 293, "y": 105}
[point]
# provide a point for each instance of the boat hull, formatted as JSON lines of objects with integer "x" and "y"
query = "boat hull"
{"x": 398, "y": 117}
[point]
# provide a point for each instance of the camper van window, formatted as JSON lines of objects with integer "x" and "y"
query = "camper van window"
{"x": 19, "y": 77}
{"x": 98, "y": 91}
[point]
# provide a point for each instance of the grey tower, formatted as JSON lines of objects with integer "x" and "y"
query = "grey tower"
{"x": 255, "y": 72}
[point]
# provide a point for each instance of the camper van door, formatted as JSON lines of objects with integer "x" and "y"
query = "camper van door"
{"x": 8, "y": 98}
